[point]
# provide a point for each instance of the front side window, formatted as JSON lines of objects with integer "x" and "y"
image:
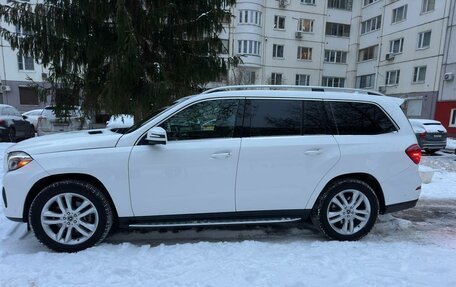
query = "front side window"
{"x": 392, "y": 78}
{"x": 275, "y": 118}
{"x": 204, "y": 120}
{"x": 396, "y": 46}
{"x": 277, "y": 51}
{"x": 399, "y": 14}
{"x": 419, "y": 74}
{"x": 279, "y": 22}
{"x": 354, "y": 118}
{"x": 304, "y": 53}
{"x": 424, "y": 40}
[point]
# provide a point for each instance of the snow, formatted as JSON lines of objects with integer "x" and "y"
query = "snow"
{"x": 451, "y": 144}
{"x": 397, "y": 252}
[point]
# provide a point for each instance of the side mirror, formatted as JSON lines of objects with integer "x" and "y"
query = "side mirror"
{"x": 156, "y": 135}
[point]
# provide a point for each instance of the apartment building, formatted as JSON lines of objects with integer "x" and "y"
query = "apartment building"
{"x": 17, "y": 72}
{"x": 393, "y": 46}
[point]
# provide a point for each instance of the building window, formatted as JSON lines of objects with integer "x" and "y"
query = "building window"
{"x": 340, "y": 4}
{"x": 453, "y": 118}
{"x": 424, "y": 40}
{"x": 248, "y": 77}
{"x": 304, "y": 53}
{"x": 305, "y": 25}
{"x": 367, "y": 2}
{"x": 28, "y": 96}
{"x": 25, "y": 63}
{"x": 368, "y": 53}
{"x": 399, "y": 14}
{"x": 371, "y": 24}
{"x": 223, "y": 46}
{"x": 249, "y": 47}
{"x": 250, "y": 17}
{"x": 337, "y": 29}
{"x": 279, "y": 22}
{"x": 335, "y": 82}
{"x": 419, "y": 74}
{"x": 396, "y": 46}
{"x": 333, "y": 56}
{"x": 392, "y": 78}
{"x": 427, "y": 6}
{"x": 365, "y": 81}
{"x": 277, "y": 51}
{"x": 302, "y": 80}
{"x": 308, "y": 2}
{"x": 276, "y": 79}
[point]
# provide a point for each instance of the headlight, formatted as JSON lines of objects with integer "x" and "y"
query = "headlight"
{"x": 17, "y": 160}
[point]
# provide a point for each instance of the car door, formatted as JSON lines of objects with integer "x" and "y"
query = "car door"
{"x": 195, "y": 171}
{"x": 21, "y": 125}
{"x": 287, "y": 150}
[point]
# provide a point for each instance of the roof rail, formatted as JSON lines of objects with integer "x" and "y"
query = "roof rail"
{"x": 290, "y": 87}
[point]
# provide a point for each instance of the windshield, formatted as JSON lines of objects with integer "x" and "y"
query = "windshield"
{"x": 153, "y": 115}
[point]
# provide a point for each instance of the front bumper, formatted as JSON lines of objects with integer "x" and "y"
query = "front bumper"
{"x": 17, "y": 185}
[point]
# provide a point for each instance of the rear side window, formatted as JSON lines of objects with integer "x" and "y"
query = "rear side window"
{"x": 352, "y": 118}
{"x": 314, "y": 119}
{"x": 275, "y": 117}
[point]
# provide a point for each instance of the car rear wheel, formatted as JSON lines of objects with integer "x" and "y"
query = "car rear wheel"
{"x": 346, "y": 210}
{"x": 71, "y": 215}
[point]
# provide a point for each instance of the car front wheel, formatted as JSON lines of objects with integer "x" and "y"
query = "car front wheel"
{"x": 346, "y": 210}
{"x": 70, "y": 215}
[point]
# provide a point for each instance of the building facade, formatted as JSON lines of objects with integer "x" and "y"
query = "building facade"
{"x": 396, "y": 47}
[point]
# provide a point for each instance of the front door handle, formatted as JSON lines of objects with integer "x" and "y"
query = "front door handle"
{"x": 221, "y": 155}
{"x": 315, "y": 151}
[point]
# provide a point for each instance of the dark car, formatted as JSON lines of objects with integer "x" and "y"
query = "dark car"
{"x": 13, "y": 126}
{"x": 431, "y": 134}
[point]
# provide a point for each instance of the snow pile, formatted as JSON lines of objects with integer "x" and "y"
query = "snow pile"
{"x": 451, "y": 144}
{"x": 394, "y": 254}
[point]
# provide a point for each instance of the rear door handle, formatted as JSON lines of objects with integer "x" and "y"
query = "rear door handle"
{"x": 315, "y": 151}
{"x": 221, "y": 155}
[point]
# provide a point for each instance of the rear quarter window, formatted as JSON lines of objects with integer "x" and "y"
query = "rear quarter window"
{"x": 354, "y": 118}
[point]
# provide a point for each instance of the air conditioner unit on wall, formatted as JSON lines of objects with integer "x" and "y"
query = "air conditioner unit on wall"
{"x": 5, "y": 88}
{"x": 389, "y": 56}
{"x": 298, "y": 35}
{"x": 382, "y": 89}
{"x": 448, "y": 77}
{"x": 283, "y": 3}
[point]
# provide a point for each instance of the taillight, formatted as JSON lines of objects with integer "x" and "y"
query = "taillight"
{"x": 423, "y": 135}
{"x": 2, "y": 122}
{"x": 414, "y": 153}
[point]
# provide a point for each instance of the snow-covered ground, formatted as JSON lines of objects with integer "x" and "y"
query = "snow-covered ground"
{"x": 420, "y": 251}
{"x": 451, "y": 144}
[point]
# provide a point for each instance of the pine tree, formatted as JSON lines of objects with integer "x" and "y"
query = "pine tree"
{"x": 126, "y": 56}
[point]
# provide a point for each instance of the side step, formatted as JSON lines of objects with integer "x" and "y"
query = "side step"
{"x": 213, "y": 222}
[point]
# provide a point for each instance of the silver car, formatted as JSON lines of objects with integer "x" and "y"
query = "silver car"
{"x": 49, "y": 123}
{"x": 431, "y": 134}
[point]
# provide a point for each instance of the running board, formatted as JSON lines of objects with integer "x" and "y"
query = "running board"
{"x": 213, "y": 222}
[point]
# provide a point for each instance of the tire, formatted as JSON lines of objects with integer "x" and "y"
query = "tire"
{"x": 32, "y": 131}
{"x": 340, "y": 220}
{"x": 72, "y": 230}
{"x": 12, "y": 134}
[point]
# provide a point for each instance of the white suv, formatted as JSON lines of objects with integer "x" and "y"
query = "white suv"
{"x": 232, "y": 155}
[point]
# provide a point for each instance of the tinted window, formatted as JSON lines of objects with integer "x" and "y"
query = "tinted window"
{"x": 314, "y": 118}
{"x": 360, "y": 119}
{"x": 209, "y": 119}
{"x": 275, "y": 117}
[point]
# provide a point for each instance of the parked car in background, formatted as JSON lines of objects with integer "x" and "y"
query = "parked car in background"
{"x": 32, "y": 117}
{"x": 73, "y": 120}
{"x": 13, "y": 127}
{"x": 120, "y": 121}
{"x": 431, "y": 134}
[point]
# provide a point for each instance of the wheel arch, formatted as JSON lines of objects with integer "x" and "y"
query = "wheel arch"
{"x": 365, "y": 177}
{"x": 42, "y": 183}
